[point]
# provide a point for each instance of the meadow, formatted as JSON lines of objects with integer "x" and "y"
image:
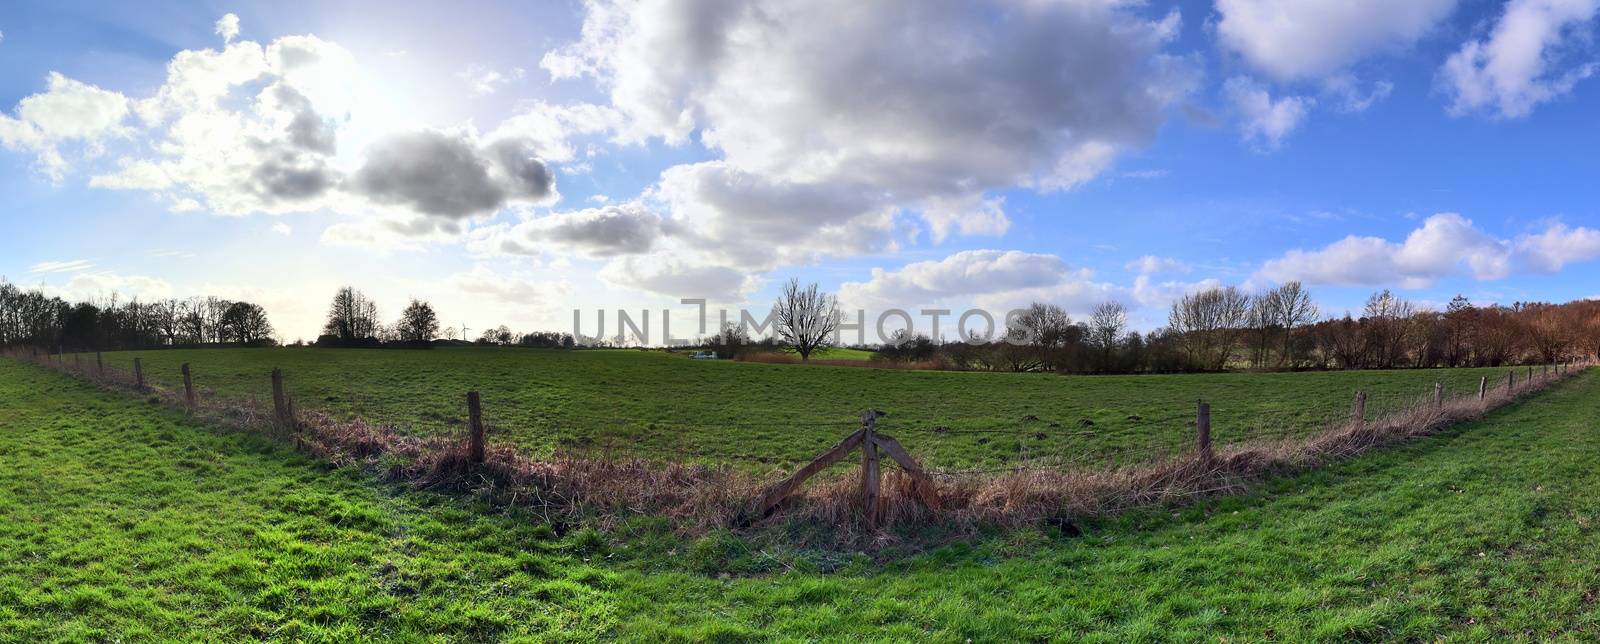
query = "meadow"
{"x": 125, "y": 520}
{"x": 770, "y": 416}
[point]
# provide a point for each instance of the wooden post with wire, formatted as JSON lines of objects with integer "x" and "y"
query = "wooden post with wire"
{"x": 99, "y": 365}
{"x": 138, "y": 374}
{"x": 1511, "y": 380}
{"x": 1202, "y": 429}
{"x": 1438, "y": 395}
{"x": 872, "y": 443}
{"x": 1358, "y": 412}
{"x": 188, "y": 388}
{"x": 1483, "y": 387}
{"x": 475, "y": 438}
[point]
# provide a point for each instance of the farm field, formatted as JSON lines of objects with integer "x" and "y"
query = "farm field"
{"x": 764, "y": 416}
{"x": 124, "y": 520}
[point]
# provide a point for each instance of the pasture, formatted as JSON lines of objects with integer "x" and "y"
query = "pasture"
{"x": 766, "y": 416}
{"x": 125, "y": 520}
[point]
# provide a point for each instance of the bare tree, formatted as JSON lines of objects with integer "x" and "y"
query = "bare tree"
{"x": 245, "y": 322}
{"x": 806, "y": 318}
{"x": 1106, "y": 323}
{"x": 351, "y": 316}
{"x": 1208, "y": 322}
{"x": 418, "y": 322}
{"x": 1295, "y": 309}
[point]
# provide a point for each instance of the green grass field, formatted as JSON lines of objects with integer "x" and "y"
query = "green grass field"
{"x": 764, "y": 416}
{"x": 121, "y": 520}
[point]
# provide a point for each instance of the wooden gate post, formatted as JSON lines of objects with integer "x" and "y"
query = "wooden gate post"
{"x": 1483, "y": 387}
{"x": 870, "y": 479}
{"x": 1202, "y": 429}
{"x": 188, "y": 388}
{"x": 475, "y": 438}
{"x": 138, "y": 374}
{"x": 1359, "y": 412}
{"x": 279, "y": 409}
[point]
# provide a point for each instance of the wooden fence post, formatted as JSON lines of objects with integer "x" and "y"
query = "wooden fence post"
{"x": 1359, "y": 413}
{"x": 99, "y": 365}
{"x": 475, "y": 438}
{"x": 1511, "y": 380}
{"x": 279, "y": 408}
{"x": 870, "y": 479}
{"x": 1483, "y": 387}
{"x": 1438, "y": 395}
{"x": 138, "y": 374}
{"x": 77, "y": 365}
{"x": 188, "y": 387}
{"x": 1202, "y": 429}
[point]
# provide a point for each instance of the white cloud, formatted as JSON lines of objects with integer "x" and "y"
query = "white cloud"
{"x": 103, "y": 284}
{"x": 282, "y": 229}
{"x": 972, "y": 274}
{"x": 484, "y": 80}
{"x": 869, "y": 110}
{"x": 1446, "y": 244}
{"x": 68, "y": 111}
{"x": 1520, "y": 64}
{"x": 679, "y": 277}
{"x": 515, "y": 289}
{"x": 68, "y": 266}
{"x": 1265, "y": 121}
{"x": 1557, "y": 246}
{"x": 1350, "y": 98}
{"x": 1150, "y": 265}
{"x": 1298, "y": 39}
{"x": 228, "y": 27}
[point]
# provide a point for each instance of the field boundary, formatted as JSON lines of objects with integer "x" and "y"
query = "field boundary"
{"x": 565, "y": 488}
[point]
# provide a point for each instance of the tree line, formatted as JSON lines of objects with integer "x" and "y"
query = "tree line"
{"x": 31, "y": 317}
{"x": 1276, "y": 329}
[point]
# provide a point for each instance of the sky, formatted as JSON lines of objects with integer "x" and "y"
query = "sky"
{"x": 513, "y": 162}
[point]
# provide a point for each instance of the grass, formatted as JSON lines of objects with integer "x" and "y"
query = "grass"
{"x": 123, "y": 520}
{"x": 769, "y": 416}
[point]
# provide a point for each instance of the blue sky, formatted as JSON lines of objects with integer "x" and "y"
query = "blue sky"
{"x": 512, "y": 162}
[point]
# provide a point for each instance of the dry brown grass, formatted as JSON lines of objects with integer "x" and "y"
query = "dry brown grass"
{"x": 568, "y": 487}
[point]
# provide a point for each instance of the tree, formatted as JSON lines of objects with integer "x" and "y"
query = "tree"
{"x": 731, "y": 340}
{"x": 1388, "y": 328}
{"x": 1105, "y": 326}
{"x": 1295, "y": 309}
{"x": 351, "y": 316}
{"x": 1208, "y": 322}
{"x": 806, "y": 318}
{"x": 418, "y": 322}
{"x": 245, "y": 322}
{"x": 1038, "y": 338}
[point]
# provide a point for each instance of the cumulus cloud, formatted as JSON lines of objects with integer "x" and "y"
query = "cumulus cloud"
{"x": 1265, "y": 121}
{"x": 1520, "y": 64}
{"x": 990, "y": 278}
{"x": 1444, "y": 245}
{"x": 1557, "y": 246}
{"x": 622, "y": 229}
{"x": 442, "y": 174}
{"x": 515, "y": 289}
{"x": 866, "y": 110}
{"x": 67, "y": 112}
{"x": 1296, "y": 39}
{"x": 282, "y": 229}
{"x": 228, "y": 27}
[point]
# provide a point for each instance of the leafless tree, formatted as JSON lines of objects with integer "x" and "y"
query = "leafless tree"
{"x": 351, "y": 316}
{"x": 245, "y": 322}
{"x": 1208, "y": 322}
{"x": 1106, "y": 323}
{"x": 1295, "y": 309}
{"x": 806, "y": 318}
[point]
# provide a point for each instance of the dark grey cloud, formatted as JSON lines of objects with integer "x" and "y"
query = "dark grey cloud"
{"x": 609, "y": 231}
{"x": 431, "y": 173}
{"x": 448, "y": 176}
{"x": 285, "y": 177}
{"x": 526, "y": 176}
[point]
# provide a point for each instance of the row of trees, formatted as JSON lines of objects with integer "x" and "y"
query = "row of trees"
{"x": 1280, "y": 328}
{"x": 31, "y": 317}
